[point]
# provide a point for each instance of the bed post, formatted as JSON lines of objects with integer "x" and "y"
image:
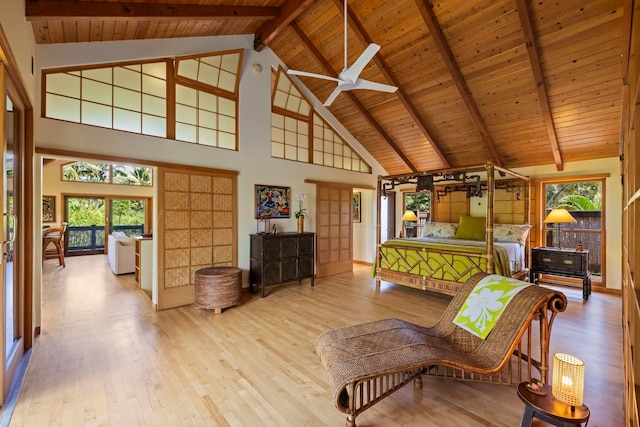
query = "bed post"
{"x": 490, "y": 200}
{"x": 378, "y": 229}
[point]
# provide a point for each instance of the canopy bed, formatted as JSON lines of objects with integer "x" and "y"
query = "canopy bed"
{"x": 445, "y": 255}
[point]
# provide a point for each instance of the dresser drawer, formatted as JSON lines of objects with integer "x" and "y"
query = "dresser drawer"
{"x": 558, "y": 261}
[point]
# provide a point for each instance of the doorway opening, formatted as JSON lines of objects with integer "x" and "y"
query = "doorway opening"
{"x": 91, "y": 219}
{"x": 420, "y": 204}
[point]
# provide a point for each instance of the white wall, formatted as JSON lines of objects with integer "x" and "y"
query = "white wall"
{"x": 253, "y": 160}
{"x": 364, "y": 240}
{"x": 21, "y": 39}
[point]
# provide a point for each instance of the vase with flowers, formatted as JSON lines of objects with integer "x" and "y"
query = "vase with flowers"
{"x": 300, "y": 212}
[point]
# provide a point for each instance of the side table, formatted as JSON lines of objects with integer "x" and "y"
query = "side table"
{"x": 280, "y": 258}
{"x": 217, "y": 288}
{"x": 548, "y": 408}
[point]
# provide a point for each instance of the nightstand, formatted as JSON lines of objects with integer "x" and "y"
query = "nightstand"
{"x": 561, "y": 262}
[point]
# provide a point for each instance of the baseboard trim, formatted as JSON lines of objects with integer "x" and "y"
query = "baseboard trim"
{"x": 6, "y": 412}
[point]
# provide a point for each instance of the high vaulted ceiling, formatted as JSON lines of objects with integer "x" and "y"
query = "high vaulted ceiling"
{"x": 516, "y": 82}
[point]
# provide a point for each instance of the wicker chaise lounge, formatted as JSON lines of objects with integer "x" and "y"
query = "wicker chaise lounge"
{"x": 367, "y": 362}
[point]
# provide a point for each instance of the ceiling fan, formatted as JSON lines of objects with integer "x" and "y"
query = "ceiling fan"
{"x": 349, "y": 79}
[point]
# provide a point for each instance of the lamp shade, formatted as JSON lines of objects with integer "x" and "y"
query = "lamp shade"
{"x": 409, "y": 216}
{"x": 559, "y": 216}
{"x": 568, "y": 379}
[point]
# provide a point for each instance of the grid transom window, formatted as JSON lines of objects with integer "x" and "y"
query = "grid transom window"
{"x": 130, "y": 98}
{"x": 329, "y": 149}
{"x": 134, "y": 97}
{"x": 299, "y": 133}
{"x": 205, "y": 118}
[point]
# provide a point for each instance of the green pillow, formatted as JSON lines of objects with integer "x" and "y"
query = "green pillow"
{"x": 471, "y": 228}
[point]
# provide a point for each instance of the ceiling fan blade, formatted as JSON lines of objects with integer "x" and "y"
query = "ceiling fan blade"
{"x": 356, "y": 68}
{"x": 366, "y": 84}
{"x": 317, "y": 76}
{"x": 332, "y": 97}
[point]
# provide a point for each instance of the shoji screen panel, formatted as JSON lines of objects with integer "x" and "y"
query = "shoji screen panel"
{"x": 196, "y": 229}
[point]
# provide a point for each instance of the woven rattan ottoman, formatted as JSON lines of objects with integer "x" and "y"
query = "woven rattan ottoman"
{"x": 217, "y": 288}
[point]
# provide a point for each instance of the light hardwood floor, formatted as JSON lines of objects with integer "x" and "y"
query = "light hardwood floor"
{"x": 106, "y": 358}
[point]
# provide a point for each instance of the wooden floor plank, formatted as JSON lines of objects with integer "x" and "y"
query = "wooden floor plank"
{"x": 105, "y": 357}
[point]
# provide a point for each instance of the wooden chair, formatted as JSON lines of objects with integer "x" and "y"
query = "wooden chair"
{"x": 367, "y": 362}
{"x": 56, "y": 237}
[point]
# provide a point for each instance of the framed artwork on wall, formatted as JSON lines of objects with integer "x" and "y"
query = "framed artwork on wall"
{"x": 272, "y": 201}
{"x": 356, "y": 199}
{"x": 48, "y": 208}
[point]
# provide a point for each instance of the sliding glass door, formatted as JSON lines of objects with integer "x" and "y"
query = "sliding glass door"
{"x": 127, "y": 215}
{"x": 85, "y": 216}
{"x": 12, "y": 267}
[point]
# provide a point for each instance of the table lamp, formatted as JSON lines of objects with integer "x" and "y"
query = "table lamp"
{"x": 568, "y": 379}
{"x": 408, "y": 216}
{"x": 559, "y": 216}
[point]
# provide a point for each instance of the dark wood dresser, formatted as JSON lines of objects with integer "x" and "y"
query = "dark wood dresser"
{"x": 281, "y": 258}
{"x": 561, "y": 262}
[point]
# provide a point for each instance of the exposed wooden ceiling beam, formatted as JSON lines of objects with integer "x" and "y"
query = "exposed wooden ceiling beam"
{"x": 456, "y": 75}
{"x": 270, "y": 29}
{"x": 536, "y": 68}
{"x": 390, "y": 76}
{"x": 361, "y": 108}
{"x": 40, "y": 10}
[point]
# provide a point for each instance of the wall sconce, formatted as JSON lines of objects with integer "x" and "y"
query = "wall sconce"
{"x": 568, "y": 379}
{"x": 408, "y": 216}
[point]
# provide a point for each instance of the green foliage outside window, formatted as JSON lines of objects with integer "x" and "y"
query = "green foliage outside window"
{"x": 86, "y": 172}
{"x": 575, "y": 196}
{"x": 131, "y": 175}
{"x": 106, "y": 173}
{"x": 418, "y": 202}
{"x": 85, "y": 212}
{"x": 127, "y": 212}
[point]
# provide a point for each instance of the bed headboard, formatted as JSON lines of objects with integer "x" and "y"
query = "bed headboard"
{"x": 510, "y": 203}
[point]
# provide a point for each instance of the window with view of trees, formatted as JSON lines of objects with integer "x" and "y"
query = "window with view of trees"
{"x": 420, "y": 204}
{"x": 108, "y": 173}
{"x": 89, "y": 216}
{"x": 585, "y": 202}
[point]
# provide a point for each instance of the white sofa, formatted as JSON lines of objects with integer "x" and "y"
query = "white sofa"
{"x": 122, "y": 254}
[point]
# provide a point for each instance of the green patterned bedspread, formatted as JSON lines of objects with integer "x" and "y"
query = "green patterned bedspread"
{"x": 427, "y": 259}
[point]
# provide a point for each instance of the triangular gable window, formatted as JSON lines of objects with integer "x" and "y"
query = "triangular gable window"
{"x": 299, "y": 133}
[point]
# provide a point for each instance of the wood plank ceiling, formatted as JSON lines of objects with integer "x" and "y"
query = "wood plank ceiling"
{"x": 516, "y": 82}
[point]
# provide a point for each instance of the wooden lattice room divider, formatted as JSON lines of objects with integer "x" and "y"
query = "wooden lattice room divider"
{"x": 197, "y": 228}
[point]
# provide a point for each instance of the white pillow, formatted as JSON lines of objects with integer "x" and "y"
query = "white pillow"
{"x": 515, "y": 233}
{"x": 443, "y": 230}
{"x": 118, "y": 234}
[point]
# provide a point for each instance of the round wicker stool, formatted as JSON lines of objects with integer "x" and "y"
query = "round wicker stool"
{"x": 217, "y": 288}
